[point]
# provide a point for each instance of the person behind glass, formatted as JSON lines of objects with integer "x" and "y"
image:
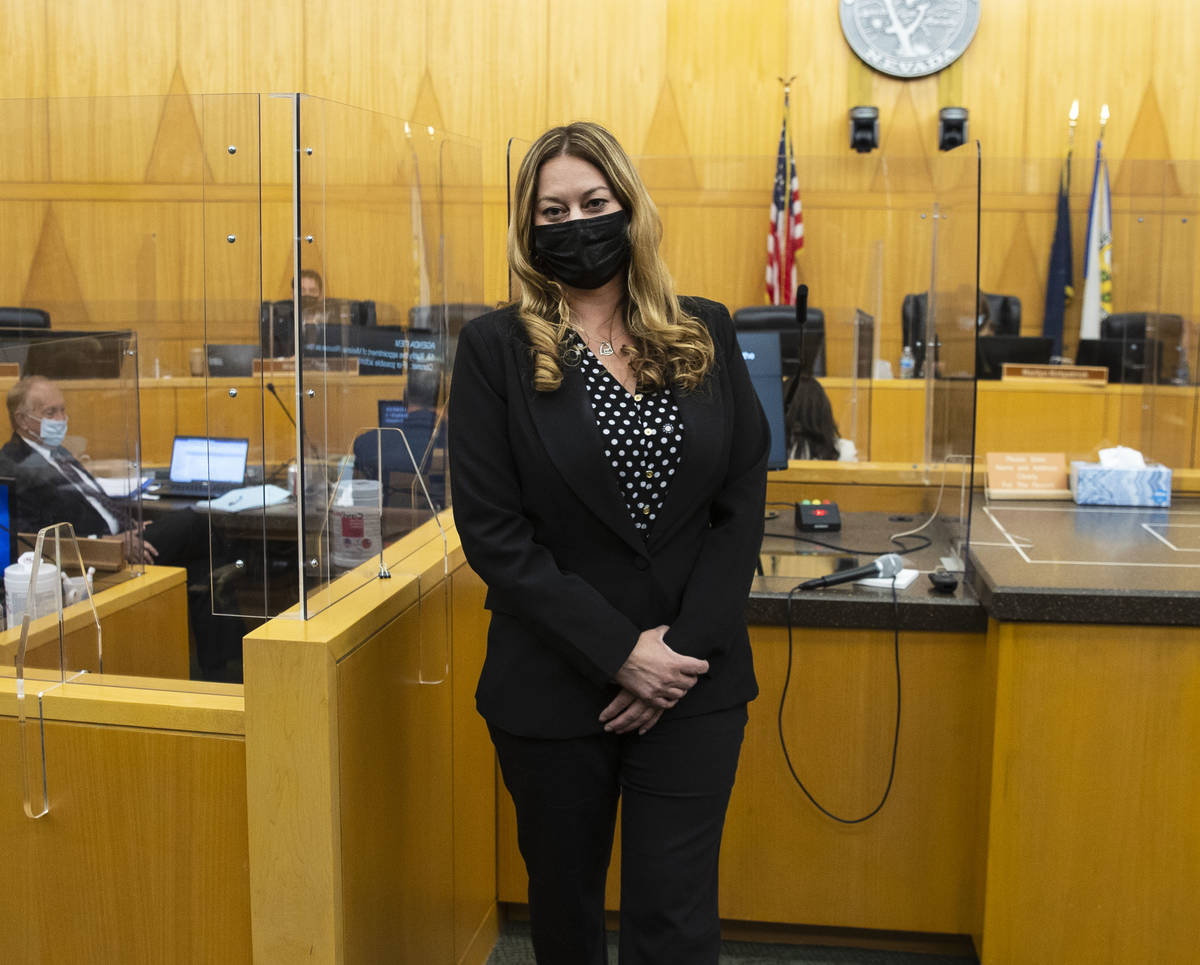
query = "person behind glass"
{"x": 608, "y": 477}
{"x": 812, "y": 431}
{"x": 423, "y": 434}
{"x": 51, "y": 486}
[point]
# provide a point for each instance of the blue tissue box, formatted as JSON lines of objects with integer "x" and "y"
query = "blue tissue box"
{"x": 1095, "y": 485}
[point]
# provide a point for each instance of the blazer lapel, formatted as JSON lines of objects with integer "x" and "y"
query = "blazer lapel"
{"x": 704, "y": 442}
{"x": 567, "y": 426}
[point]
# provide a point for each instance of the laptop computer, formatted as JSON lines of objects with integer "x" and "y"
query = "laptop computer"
{"x": 203, "y": 467}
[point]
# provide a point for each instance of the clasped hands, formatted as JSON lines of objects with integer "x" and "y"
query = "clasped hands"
{"x": 653, "y": 678}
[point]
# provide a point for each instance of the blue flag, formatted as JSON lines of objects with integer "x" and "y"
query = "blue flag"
{"x": 1060, "y": 278}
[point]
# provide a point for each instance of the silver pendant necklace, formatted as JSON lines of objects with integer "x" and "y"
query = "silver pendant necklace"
{"x": 606, "y": 347}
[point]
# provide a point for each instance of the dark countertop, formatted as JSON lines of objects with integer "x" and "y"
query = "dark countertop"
{"x": 788, "y": 561}
{"x": 1037, "y": 562}
{"x": 1055, "y": 562}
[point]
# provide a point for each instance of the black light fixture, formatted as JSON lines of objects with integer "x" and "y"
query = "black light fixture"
{"x": 952, "y": 128}
{"x": 864, "y": 129}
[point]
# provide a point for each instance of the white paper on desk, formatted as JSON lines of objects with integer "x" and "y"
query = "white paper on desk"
{"x": 121, "y": 487}
{"x": 903, "y": 579}
{"x": 249, "y": 497}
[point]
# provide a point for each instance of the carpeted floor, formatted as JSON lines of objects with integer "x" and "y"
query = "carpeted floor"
{"x": 515, "y": 948}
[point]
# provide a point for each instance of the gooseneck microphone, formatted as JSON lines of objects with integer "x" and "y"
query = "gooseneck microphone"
{"x": 286, "y": 411}
{"x": 801, "y": 305}
{"x": 886, "y": 566}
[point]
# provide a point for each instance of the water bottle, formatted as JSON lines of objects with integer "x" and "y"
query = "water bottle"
{"x": 908, "y": 363}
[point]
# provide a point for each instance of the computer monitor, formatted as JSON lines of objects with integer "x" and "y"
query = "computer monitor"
{"x": 277, "y": 333}
{"x": 59, "y": 354}
{"x": 993, "y": 351}
{"x": 1127, "y": 360}
{"x": 231, "y": 361}
{"x": 8, "y": 538}
{"x": 802, "y": 347}
{"x": 762, "y": 354}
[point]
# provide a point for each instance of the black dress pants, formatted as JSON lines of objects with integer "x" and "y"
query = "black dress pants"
{"x": 673, "y": 783}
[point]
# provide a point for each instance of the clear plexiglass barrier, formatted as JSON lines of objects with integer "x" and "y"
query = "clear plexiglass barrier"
{"x": 343, "y": 253}
{"x": 198, "y": 408}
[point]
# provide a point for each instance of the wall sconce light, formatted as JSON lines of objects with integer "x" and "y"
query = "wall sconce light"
{"x": 952, "y": 128}
{"x": 864, "y": 129}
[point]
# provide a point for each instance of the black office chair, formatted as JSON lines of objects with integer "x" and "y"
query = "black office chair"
{"x": 802, "y": 347}
{"x": 1148, "y": 345}
{"x": 1004, "y": 311}
{"x": 12, "y": 317}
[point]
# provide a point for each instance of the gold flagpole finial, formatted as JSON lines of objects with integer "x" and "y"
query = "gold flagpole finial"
{"x": 1072, "y": 120}
{"x": 1103, "y": 119}
{"x": 787, "y": 84}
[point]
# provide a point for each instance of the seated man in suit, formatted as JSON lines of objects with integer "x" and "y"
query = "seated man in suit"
{"x": 51, "y": 486}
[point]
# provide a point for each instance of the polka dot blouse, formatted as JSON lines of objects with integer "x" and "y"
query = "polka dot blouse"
{"x": 642, "y": 435}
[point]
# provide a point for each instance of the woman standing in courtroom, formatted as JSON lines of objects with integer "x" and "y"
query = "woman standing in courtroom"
{"x": 607, "y": 458}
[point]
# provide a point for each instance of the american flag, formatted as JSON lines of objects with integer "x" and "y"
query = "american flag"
{"x": 786, "y": 235}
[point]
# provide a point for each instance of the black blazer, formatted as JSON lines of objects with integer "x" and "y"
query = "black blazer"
{"x": 571, "y": 582}
{"x": 42, "y": 496}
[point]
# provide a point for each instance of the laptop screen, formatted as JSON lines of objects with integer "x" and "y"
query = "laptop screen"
{"x": 392, "y": 413}
{"x": 193, "y": 458}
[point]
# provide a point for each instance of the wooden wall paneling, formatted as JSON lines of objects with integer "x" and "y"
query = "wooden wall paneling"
{"x": 997, "y": 61}
{"x": 230, "y": 47}
{"x": 23, "y": 73}
{"x": 608, "y": 62}
{"x": 174, "y": 890}
{"x": 23, "y": 221}
{"x": 108, "y": 47}
{"x": 713, "y": 250}
{"x": 823, "y": 65}
{"x": 838, "y": 722}
{"x": 1077, "y": 50}
{"x": 1176, "y": 48}
{"x": 369, "y": 55}
{"x": 1092, "y": 878}
{"x": 52, "y": 282}
{"x": 1014, "y": 255}
{"x": 25, "y": 123}
{"x": 723, "y": 65}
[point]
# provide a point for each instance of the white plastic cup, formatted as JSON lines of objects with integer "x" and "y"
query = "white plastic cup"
{"x": 16, "y": 589}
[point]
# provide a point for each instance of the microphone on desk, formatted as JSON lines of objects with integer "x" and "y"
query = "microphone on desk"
{"x": 887, "y": 566}
{"x": 801, "y": 305}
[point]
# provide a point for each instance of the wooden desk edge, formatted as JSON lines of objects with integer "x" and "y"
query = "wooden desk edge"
{"x": 361, "y": 603}
{"x": 142, "y": 702}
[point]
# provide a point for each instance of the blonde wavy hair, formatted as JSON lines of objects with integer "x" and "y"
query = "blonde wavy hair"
{"x": 669, "y": 346}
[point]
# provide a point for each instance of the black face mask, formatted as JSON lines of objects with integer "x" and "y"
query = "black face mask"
{"x": 586, "y": 252}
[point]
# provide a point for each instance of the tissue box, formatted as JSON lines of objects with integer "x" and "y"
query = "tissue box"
{"x": 1095, "y": 485}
